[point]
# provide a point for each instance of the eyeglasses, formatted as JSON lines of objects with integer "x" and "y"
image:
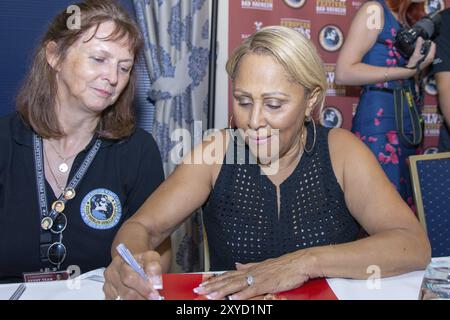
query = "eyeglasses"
{"x": 56, "y": 253}
{"x": 60, "y": 223}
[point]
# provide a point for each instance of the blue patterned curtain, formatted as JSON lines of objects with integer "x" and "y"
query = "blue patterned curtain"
{"x": 145, "y": 109}
{"x": 176, "y": 34}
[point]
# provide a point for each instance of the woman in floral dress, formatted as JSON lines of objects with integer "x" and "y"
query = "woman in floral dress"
{"x": 370, "y": 59}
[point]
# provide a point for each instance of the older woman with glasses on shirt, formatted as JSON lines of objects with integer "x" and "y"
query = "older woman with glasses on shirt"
{"x": 72, "y": 143}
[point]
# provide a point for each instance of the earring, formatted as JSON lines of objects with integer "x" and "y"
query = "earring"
{"x": 310, "y": 150}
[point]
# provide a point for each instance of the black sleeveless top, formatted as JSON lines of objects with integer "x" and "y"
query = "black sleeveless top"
{"x": 241, "y": 214}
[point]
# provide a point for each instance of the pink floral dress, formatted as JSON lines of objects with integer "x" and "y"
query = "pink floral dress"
{"x": 374, "y": 122}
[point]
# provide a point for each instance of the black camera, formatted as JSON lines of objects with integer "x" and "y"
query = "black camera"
{"x": 427, "y": 28}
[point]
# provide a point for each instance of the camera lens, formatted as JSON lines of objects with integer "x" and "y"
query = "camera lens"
{"x": 427, "y": 28}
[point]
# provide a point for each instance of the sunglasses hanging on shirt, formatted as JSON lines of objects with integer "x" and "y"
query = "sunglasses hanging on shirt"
{"x": 55, "y": 221}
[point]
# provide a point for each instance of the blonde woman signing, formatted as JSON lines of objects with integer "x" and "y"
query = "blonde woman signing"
{"x": 300, "y": 222}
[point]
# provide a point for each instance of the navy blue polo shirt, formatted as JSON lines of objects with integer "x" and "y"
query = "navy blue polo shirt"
{"x": 441, "y": 64}
{"x": 123, "y": 174}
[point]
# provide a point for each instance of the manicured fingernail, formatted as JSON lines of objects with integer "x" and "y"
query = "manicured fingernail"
{"x": 157, "y": 282}
{"x": 154, "y": 296}
{"x": 211, "y": 296}
{"x": 199, "y": 290}
{"x": 203, "y": 284}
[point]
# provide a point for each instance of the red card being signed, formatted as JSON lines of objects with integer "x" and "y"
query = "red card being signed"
{"x": 180, "y": 287}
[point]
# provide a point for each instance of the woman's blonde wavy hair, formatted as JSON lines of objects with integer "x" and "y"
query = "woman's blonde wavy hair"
{"x": 293, "y": 51}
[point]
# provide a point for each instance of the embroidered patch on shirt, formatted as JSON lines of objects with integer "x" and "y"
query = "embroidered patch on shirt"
{"x": 101, "y": 209}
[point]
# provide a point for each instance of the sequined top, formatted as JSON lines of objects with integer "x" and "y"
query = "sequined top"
{"x": 241, "y": 215}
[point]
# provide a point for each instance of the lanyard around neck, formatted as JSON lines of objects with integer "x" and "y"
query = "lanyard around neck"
{"x": 40, "y": 180}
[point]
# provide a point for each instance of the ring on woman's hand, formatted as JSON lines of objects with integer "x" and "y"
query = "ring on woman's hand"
{"x": 118, "y": 298}
{"x": 249, "y": 280}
